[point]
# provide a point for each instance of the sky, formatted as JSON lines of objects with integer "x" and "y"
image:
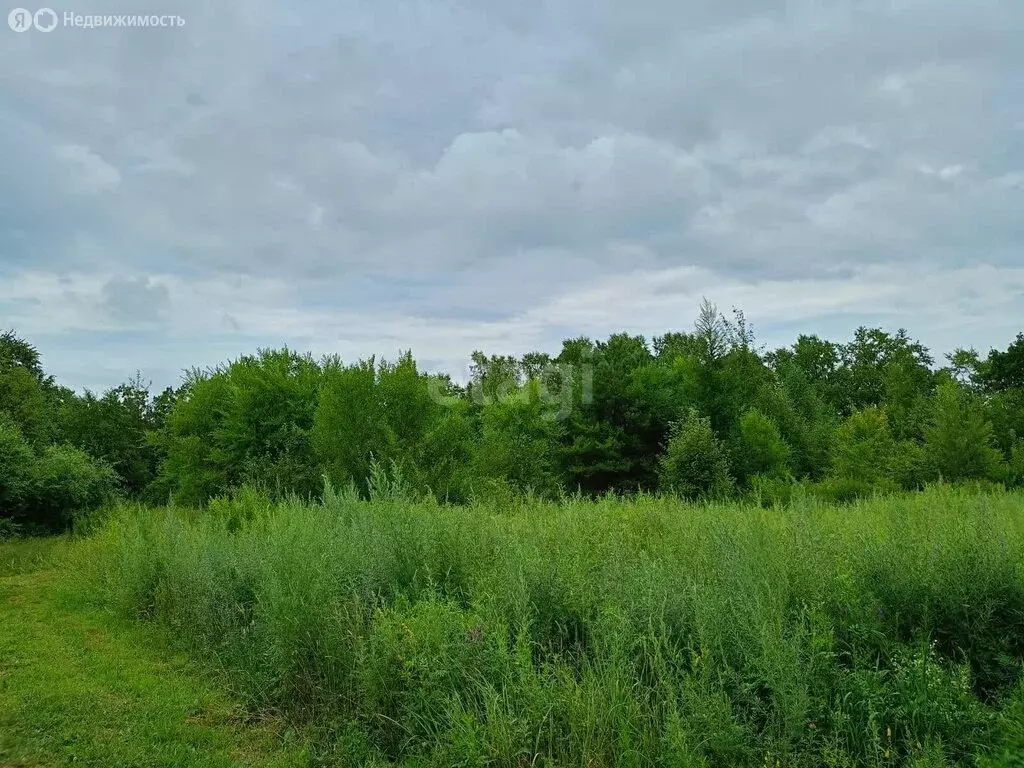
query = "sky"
{"x": 365, "y": 177}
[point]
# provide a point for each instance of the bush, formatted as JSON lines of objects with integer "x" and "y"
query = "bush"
{"x": 773, "y": 490}
{"x": 9, "y": 529}
{"x": 1014, "y": 472}
{"x": 908, "y": 467}
{"x": 694, "y": 464}
{"x": 68, "y": 482}
{"x": 47, "y": 489}
{"x": 841, "y": 489}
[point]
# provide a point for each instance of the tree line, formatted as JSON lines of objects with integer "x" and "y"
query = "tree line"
{"x": 704, "y": 413}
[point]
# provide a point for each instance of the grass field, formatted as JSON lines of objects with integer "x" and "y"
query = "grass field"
{"x": 610, "y": 633}
{"x": 77, "y": 687}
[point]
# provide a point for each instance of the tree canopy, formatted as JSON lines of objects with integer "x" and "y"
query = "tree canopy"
{"x": 700, "y": 412}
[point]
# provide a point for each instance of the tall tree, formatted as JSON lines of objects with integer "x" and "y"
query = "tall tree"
{"x": 246, "y": 422}
{"x": 876, "y": 363}
{"x": 493, "y": 378}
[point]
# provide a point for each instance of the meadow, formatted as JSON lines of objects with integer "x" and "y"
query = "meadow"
{"x": 612, "y": 632}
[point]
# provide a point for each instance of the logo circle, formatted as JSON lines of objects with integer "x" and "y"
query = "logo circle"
{"x": 45, "y": 20}
{"x": 20, "y": 20}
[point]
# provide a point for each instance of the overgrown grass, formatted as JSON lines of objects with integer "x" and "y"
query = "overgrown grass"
{"x": 640, "y": 633}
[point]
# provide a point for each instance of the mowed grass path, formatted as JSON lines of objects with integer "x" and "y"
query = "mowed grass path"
{"x": 79, "y": 688}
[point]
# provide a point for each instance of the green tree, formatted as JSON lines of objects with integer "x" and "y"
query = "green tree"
{"x": 195, "y": 468}
{"x": 518, "y": 442}
{"x": 248, "y": 422}
{"x": 1014, "y": 475}
{"x": 534, "y": 364}
{"x": 758, "y": 448}
{"x": 730, "y": 375}
{"x": 876, "y": 364}
{"x": 267, "y": 420}
{"x": 24, "y": 387}
{"x": 391, "y": 416}
{"x": 712, "y": 330}
{"x": 350, "y": 427}
{"x": 659, "y": 394}
{"x": 17, "y": 464}
{"x": 694, "y": 464}
{"x": 815, "y": 362}
{"x": 803, "y": 415}
{"x": 1005, "y": 409}
{"x": 42, "y": 485}
{"x": 864, "y": 447}
{"x": 958, "y": 438}
{"x": 618, "y": 404}
{"x": 45, "y": 488}
{"x": 69, "y": 482}
{"x": 407, "y": 406}
{"x": 675, "y": 344}
{"x": 446, "y": 454}
{"x": 116, "y": 428}
{"x": 1004, "y": 371}
{"x": 493, "y": 378}
{"x": 964, "y": 366}
{"x": 592, "y": 453}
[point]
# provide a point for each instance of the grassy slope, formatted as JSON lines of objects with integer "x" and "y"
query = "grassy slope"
{"x": 77, "y": 688}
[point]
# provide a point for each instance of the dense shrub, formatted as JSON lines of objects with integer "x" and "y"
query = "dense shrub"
{"x": 772, "y": 490}
{"x": 46, "y": 489}
{"x": 67, "y": 482}
{"x": 695, "y": 464}
{"x": 1014, "y": 476}
{"x": 9, "y": 529}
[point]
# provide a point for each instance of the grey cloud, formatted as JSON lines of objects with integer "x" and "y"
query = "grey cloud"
{"x": 451, "y": 161}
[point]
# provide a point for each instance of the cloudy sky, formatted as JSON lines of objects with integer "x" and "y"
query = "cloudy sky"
{"x": 368, "y": 176}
